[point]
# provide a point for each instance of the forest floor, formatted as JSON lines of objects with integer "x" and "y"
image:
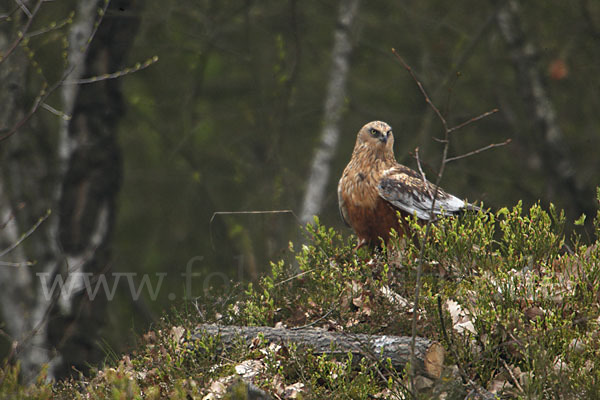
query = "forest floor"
{"x": 513, "y": 304}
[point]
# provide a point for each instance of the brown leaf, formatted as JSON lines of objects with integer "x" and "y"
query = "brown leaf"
{"x": 534, "y": 312}
{"x": 293, "y": 391}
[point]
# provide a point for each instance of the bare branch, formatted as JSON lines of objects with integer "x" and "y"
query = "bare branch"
{"x": 512, "y": 377}
{"x": 252, "y": 212}
{"x": 52, "y": 27}
{"x": 322, "y": 317}
{"x": 46, "y": 92}
{"x": 40, "y": 99}
{"x": 291, "y": 278}
{"x": 101, "y": 14}
{"x": 56, "y": 112}
{"x": 422, "y": 89}
{"x": 24, "y": 8}
{"x": 21, "y": 33}
{"x": 25, "y": 235}
{"x": 413, "y": 356}
{"x": 482, "y": 149}
{"x": 444, "y": 161}
{"x": 16, "y": 264}
{"x": 246, "y": 213}
{"x": 474, "y": 119}
{"x": 419, "y": 165}
{"x": 137, "y": 67}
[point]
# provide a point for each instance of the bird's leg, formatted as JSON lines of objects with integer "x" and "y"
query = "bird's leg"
{"x": 361, "y": 243}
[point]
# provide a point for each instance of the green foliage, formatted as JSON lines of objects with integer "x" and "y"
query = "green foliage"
{"x": 329, "y": 281}
{"x": 533, "y": 307}
{"x": 10, "y": 387}
{"x": 229, "y": 117}
{"x": 515, "y": 308}
{"x": 532, "y": 304}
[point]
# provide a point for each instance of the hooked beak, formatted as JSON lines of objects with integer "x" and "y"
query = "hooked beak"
{"x": 384, "y": 138}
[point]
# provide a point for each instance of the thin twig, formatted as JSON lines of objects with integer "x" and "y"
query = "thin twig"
{"x": 24, "y": 8}
{"x": 251, "y": 212}
{"x": 474, "y": 119}
{"x": 442, "y": 322}
{"x": 46, "y": 92}
{"x": 421, "y": 258}
{"x": 42, "y": 96}
{"x": 11, "y": 217}
{"x": 514, "y": 379}
{"x": 397, "y": 381}
{"x": 482, "y": 149}
{"x": 8, "y": 15}
{"x": 293, "y": 277}
{"x": 450, "y": 339}
{"x": 25, "y": 235}
{"x": 56, "y": 112}
{"x": 419, "y": 165}
{"x": 429, "y": 221}
{"x": 413, "y": 339}
{"x": 21, "y": 33}
{"x": 444, "y": 161}
{"x": 94, "y": 79}
{"x": 126, "y": 71}
{"x": 101, "y": 14}
{"x": 422, "y": 89}
{"x": 55, "y": 26}
{"x": 17, "y": 264}
{"x": 244, "y": 213}
{"x": 322, "y": 317}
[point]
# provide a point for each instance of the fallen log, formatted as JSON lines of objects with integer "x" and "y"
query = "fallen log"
{"x": 429, "y": 354}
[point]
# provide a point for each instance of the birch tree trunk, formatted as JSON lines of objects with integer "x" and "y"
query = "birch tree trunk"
{"x": 76, "y": 173}
{"x": 17, "y": 280}
{"x": 334, "y": 105}
{"x": 90, "y": 166}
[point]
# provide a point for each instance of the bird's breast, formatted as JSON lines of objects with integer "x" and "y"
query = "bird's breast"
{"x": 361, "y": 190}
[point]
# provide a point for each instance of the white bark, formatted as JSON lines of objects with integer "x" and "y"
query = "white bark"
{"x": 79, "y": 37}
{"x": 25, "y": 308}
{"x": 17, "y": 281}
{"x": 334, "y": 104}
{"x": 17, "y": 296}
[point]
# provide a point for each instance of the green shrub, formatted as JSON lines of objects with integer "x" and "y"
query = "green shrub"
{"x": 524, "y": 322}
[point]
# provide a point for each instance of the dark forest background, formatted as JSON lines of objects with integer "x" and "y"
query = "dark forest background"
{"x": 179, "y": 109}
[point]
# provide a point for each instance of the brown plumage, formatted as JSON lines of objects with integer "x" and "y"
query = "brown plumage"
{"x": 374, "y": 187}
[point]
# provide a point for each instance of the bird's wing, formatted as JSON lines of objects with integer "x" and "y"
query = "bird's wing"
{"x": 405, "y": 189}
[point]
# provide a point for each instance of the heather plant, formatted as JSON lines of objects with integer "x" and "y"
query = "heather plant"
{"x": 513, "y": 301}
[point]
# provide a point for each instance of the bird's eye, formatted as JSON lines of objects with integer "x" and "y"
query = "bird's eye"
{"x": 374, "y": 132}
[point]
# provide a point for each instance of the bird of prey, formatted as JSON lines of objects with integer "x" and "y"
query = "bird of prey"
{"x": 374, "y": 187}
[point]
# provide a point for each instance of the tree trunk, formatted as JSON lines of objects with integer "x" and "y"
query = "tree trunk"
{"x": 21, "y": 182}
{"x": 76, "y": 174}
{"x": 429, "y": 355}
{"x": 550, "y": 147}
{"x": 90, "y": 162}
{"x": 334, "y": 104}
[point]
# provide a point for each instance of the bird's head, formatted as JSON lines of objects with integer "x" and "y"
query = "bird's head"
{"x": 376, "y": 134}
